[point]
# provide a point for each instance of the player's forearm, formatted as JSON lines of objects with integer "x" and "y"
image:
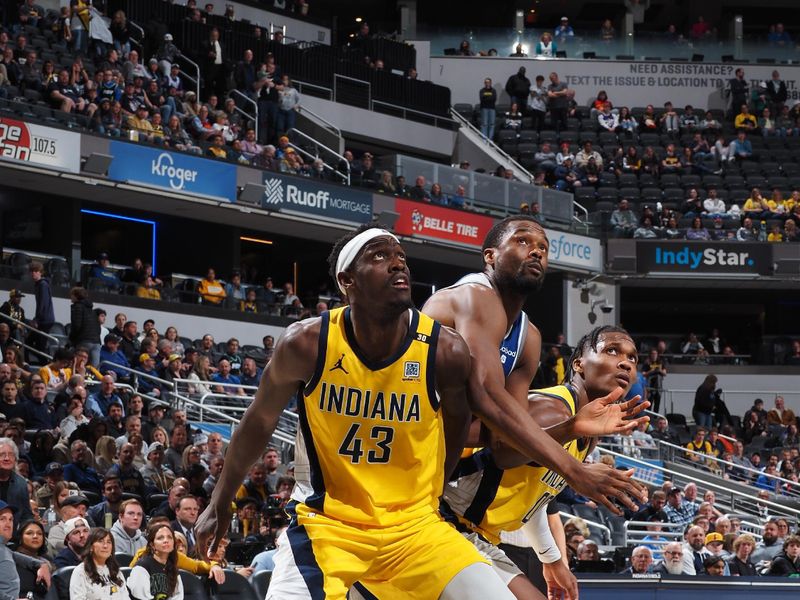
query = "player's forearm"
{"x": 511, "y": 423}
{"x": 247, "y": 444}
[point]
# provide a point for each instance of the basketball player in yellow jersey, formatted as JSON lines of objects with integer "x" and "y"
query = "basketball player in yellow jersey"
{"x": 486, "y": 310}
{"x": 383, "y": 418}
{"x": 487, "y": 500}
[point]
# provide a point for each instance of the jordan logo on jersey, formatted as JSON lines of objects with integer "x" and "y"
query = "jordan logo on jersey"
{"x": 338, "y": 365}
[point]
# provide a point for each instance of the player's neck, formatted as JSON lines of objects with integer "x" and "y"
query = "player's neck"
{"x": 379, "y": 335}
{"x": 581, "y": 393}
{"x": 512, "y": 300}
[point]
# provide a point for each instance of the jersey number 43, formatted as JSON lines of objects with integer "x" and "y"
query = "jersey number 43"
{"x": 352, "y": 444}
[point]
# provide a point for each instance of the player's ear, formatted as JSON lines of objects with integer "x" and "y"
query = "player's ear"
{"x": 488, "y": 256}
{"x": 345, "y": 279}
{"x": 577, "y": 366}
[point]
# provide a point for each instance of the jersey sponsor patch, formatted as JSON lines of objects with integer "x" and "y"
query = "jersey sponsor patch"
{"x": 411, "y": 370}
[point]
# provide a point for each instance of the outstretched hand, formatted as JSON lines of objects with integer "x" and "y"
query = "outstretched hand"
{"x": 561, "y": 583}
{"x": 603, "y": 483}
{"x": 605, "y": 417}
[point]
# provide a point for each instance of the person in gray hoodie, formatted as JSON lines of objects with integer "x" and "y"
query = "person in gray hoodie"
{"x": 127, "y": 531}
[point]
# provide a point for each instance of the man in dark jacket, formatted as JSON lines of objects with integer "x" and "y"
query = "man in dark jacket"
{"x": 13, "y": 309}
{"x": 518, "y": 87}
{"x": 44, "y": 318}
{"x": 787, "y": 562}
{"x": 85, "y": 328}
{"x": 13, "y": 488}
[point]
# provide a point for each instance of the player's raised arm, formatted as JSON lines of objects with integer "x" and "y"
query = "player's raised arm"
{"x": 292, "y": 364}
{"x": 452, "y": 374}
{"x": 505, "y": 415}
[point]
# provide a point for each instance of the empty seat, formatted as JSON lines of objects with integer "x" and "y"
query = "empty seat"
{"x": 528, "y": 137}
{"x": 631, "y": 193}
{"x": 610, "y": 194}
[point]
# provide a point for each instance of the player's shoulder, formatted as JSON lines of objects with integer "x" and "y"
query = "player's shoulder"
{"x": 303, "y": 335}
{"x": 452, "y": 351}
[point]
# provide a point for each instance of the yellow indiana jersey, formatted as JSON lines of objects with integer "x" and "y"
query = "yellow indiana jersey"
{"x": 370, "y": 447}
{"x": 489, "y": 500}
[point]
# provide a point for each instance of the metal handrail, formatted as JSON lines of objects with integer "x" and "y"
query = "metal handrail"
{"x": 707, "y": 457}
{"x": 333, "y": 127}
{"x": 249, "y": 100}
{"x": 30, "y": 348}
{"x": 28, "y": 326}
{"x": 667, "y": 529}
{"x": 300, "y": 84}
{"x": 197, "y": 69}
{"x": 135, "y": 41}
{"x": 138, "y": 374}
{"x": 600, "y": 526}
{"x": 436, "y": 118}
{"x": 465, "y": 123}
{"x": 367, "y": 83}
{"x": 702, "y": 482}
{"x": 320, "y": 145}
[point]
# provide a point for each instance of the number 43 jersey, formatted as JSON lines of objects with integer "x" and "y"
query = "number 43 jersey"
{"x": 370, "y": 446}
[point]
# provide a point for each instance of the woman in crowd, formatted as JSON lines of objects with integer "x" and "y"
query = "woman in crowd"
{"x": 155, "y": 575}
{"x": 200, "y": 373}
{"x": 31, "y": 540}
{"x": 191, "y": 456}
{"x": 697, "y": 231}
{"x": 171, "y": 335}
{"x": 627, "y": 122}
{"x": 105, "y": 453}
{"x": 98, "y": 576}
{"x": 13, "y": 357}
{"x": 160, "y": 435}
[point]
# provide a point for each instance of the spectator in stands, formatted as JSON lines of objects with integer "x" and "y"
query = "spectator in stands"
{"x": 673, "y": 561}
{"x": 741, "y": 148}
{"x": 126, "y": 530}
{"x": 173, "y": 457}
{"x": 157, "y": 475}
{"x": 641, "y": 561}
{"x": 740, "y": 563}
{"x": 694, "y": 551}
{"x": 677, "y": 509}
{"x": 518, "y": 87}
{"x": 79, "y": 471}
{"x": 487, "y": 97}
{"x": 513, "y": 118}
{"x": 623, "y": 220}
{"x": 418, "y": 192}
{"x": 653, "y": 510}
{"x": 226, "y": 380}
{"x": 537, "y": 103}
{"x": 213, "y": 64}
{"x": 606, "y": 119}
{"x": 766, "y": 124}
{"x": 288, "y": 106}
{"x": 545, "y": 47}
{"x": 563, "y": 32}
{"x": 14, "y": 487}
{"x": 210, "y": 289}
{"x": 780, "y": 415}
{"x": 558, "y": 101}
{"x": 696, "y": 231}
{"x": 586, "y": 153}
{"x": 669, "y": 121}
{"x": 76, "y": 532}
{"x": 771, "y": 543}
{"x": 787, "y": 562}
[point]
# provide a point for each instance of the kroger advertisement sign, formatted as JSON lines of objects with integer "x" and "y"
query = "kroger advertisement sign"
{"x": 311, "y": 196}
{"x": 172, "y": 170}
{"x": 577, "y": 251}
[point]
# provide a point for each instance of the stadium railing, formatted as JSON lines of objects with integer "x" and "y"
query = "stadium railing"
{"x": 673, "y": 397}
{"x": 739, "y": 500}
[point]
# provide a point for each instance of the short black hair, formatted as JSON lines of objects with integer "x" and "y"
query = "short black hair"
{"x": 586, "y": 342}
{"x": 498, "y": 230}
{"x": 333, "y": 257}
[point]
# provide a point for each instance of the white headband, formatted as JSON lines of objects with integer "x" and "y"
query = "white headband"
{"x": 354, "y": 246}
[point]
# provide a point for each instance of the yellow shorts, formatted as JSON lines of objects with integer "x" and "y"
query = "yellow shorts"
{"x": 320, "y": 558}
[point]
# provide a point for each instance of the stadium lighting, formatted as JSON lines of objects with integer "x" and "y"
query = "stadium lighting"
{"x": 244, "y": 238}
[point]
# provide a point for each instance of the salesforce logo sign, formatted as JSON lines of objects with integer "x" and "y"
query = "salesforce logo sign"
{"x": 574, "y": 250}
{"x": 164, "y": 168}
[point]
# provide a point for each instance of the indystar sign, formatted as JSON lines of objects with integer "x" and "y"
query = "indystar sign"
{"x": 735, "y": 258}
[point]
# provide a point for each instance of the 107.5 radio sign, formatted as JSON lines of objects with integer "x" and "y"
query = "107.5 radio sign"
{"x": 39, "y": 145}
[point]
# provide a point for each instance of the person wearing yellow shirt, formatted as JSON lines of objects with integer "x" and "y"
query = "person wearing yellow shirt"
{"x": 775, "y": 235}
{"x": 217, "y": 148}
{"x": 56, "y": 374}
{"x": 158, "y": 129}
{"x": 745, "y": 120}
{"x": 758, "y": 207}
{"x": 211, "y": 290}
{"x": 140, "y": 124}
